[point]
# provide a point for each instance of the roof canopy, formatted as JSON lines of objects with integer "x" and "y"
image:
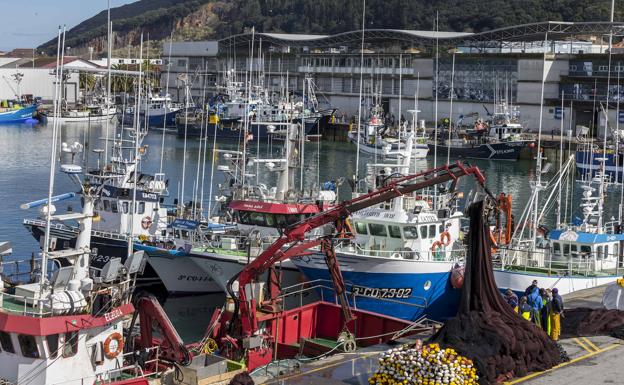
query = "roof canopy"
{"x": 551, "y": 30}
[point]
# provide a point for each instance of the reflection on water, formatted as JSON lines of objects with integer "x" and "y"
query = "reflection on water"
{"x": 24, "y": 168}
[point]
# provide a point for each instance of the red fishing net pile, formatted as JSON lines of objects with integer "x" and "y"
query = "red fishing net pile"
{"x": 486, "y": 329}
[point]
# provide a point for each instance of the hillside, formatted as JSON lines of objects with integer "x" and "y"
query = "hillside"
{"x": 210, "y": 19}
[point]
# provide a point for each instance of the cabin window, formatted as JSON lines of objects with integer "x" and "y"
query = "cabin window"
{"x": 574, "y": 249}
{"x": 53, "y": 344}
{"x": 70, "y": 345}
{"x": 556, "y": 248}
{"x": 107, "y": 206}
{"x": 585, "y": 249}
{"x": 566, "y": 249}
{"x": 423, "y": 232}
{"x": 98, "y": 204}
{"x": 410, "y": 232}
{"x": 606, "y": 252}
{"x": 28, "y": 345}
{"x": 360, "y": 228}
{"x": 599, "y": 254}
{"x": 124, "y": 206}
{"x": 270, "y": 220}
{"x": 114, "y": 207}
{"x": 441, "y": 228}
{"x": 432, "y": 231}
{"x": 395, "y": 231}
{"x": 377, "y": 230}
{"x": 280, "y": 220}
{"x": 616, "y": 250}
{"x": 6, "y": 342}
{"x": 257, "y": 219}
{"x": 141, "y": 208}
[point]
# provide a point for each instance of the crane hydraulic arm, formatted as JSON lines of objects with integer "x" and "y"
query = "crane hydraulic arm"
{"x": 336, "y": 215}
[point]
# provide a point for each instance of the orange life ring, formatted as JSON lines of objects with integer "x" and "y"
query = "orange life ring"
{"x": 118, "y": 339}
{"x": 445, "y": 238}
{"x": 436, "y": 245}
{"x": 146, "y": 222}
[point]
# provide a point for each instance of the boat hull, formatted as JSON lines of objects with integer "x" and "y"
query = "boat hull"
{"x": 232, "y": 131}
{"x": 519, "y": 281}
{"x": 18, "y": 116}
{"x": 492, "y": 151}
{"x": 157, "y": 121}
{"x": 404, "y": 289}
{"x": 168, "y": 268}
{"x": 588, "y": 163}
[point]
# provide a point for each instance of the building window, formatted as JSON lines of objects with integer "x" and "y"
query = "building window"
{"x": 6, "y": 342}
{"x": 53, "y": 344}
{"x": 70, "y": 345}
{"x": 572, "y": 67}
{"x": 181, "y": 63}
{"x": 28, "y": 345}
{"x": 602, "y": 68}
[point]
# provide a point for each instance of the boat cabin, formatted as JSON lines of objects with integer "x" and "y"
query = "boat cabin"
{"x": 586, "y": 252}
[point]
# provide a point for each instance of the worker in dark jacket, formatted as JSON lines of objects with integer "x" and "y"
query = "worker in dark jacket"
{"x": 546, "y": 309}
{"x": 556, "y": 314}
{"x": 530, "y": 289}
{"x": 512, "y": 299}
{"x": 524, "y": 309}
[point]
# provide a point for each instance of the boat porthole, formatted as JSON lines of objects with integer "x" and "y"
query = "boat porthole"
{"x": 427, "y": 285}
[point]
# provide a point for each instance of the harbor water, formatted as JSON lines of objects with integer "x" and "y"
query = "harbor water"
{"x": 24, "y": 174}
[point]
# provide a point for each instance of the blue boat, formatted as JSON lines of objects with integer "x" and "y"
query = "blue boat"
{"x": 161, "y": 112}
{"x": 18, "y": 114}
{"x": 588, "y": 162}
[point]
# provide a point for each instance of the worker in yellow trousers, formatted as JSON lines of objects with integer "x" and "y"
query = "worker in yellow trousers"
{"x": 555, "y": 317}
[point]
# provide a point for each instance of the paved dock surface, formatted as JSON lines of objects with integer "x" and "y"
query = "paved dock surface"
{"x": 594, "y": 360}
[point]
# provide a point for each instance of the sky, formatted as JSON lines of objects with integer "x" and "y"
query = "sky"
{"x": 27, "y": 24}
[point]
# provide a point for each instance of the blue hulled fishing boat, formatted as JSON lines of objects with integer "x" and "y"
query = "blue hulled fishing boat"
{"x": 17, "y": 113}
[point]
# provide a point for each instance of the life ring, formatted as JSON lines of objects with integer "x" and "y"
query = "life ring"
{"x": 117, "y": 340}
{"x": 436, "y": 245}
{"x": 146, "y": 222}
{"x": 445, "y": 238}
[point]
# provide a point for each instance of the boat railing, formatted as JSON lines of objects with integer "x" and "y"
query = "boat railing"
{"x": 573, "y": 264}
{"x": 134, "y": 369}
{"x": 44, "y": 307}
{"x": 321, "y": 286}
{"x": 438, "y": 255}
{"x": 61, "y": 226}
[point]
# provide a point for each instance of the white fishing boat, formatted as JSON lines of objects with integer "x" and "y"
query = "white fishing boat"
{"x": 97, "y": 109}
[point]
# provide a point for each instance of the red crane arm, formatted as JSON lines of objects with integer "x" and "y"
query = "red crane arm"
{"x": 296, "y": 232}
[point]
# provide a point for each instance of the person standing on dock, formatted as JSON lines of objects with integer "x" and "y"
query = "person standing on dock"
{"x": 535, "y": 301}
{"x": 556, "y": 314}
{"x": 546, "y": 309}
{"x": 512, "y": 299}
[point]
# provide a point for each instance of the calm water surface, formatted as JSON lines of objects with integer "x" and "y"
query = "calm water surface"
{"x": 24, "y": 174}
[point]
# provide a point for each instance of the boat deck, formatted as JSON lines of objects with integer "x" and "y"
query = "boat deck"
{"x": 601, "y": 353}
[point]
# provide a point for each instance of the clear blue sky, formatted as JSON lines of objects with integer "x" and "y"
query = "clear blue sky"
{"x": 27, "y": 24}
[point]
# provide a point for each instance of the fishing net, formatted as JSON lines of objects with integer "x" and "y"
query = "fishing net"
{"x": 591, "y": 322}
{"x": 501, "y": 343}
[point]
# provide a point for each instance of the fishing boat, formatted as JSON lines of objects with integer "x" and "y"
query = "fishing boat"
{"x": 403, "y": 253}
{"x": 97, "y": 109}
{"x": 500, "y": 139}
{"x": 157, "y": 111}
{"x": 17, "y": 113}
{"x": 584, "y": 253}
